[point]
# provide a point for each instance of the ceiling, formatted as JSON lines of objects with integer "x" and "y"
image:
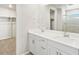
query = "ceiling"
{"x": 14, "y": 6}
{"x": 7, "y": 6}
{"x": 58, "y": 5}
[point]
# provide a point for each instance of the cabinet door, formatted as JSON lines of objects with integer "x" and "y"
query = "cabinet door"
{"x": 59, "y": 52}
{"x": 51, "y": 49}
{"x": 43, "y": 50}
{"x": 42, "y": 46}
{"x": 37, "y": 45}
{"x": 32, "y": 43}
{"x": 62, "y": 53}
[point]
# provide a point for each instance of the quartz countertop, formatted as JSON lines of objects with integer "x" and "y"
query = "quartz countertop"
{"x": 58, "y": 36}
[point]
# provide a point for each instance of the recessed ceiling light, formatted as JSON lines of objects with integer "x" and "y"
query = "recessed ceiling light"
{"x": 10, "y": 5}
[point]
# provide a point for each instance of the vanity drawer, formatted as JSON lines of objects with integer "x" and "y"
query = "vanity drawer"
{"x": 64, "y": 48}
{"x": 43, "y": 42}
{"x": 43, "y": 46}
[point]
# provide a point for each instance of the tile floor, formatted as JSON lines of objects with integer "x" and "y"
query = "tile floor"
{"x": 8, "y": 46}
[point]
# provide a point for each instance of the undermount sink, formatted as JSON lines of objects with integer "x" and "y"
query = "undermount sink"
{"x": 65, "y": 39}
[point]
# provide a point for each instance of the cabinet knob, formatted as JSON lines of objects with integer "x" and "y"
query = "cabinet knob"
{"x": 43, "y": 48}
{"x": 43, "y": 40}
{"x": 60, "y": 54}
{"x": 57, "y": 53}
{"x": 33, "y": 41}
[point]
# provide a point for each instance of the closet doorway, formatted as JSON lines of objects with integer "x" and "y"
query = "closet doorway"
{"x": 7, "y": 29}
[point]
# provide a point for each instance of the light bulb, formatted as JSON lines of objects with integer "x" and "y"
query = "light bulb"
{"x": 10, "y": 5}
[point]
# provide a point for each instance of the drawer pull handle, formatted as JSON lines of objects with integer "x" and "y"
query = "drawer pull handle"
{"x": 43, "y": 40}
{"x": 33, "y": 41}
{"x": 43, "y": 48}
{"x": 57, "y": 53}
{"x": 60, "y": 54}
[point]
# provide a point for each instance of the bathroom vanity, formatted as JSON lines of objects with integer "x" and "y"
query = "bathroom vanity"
{"x": 52, "y": 43}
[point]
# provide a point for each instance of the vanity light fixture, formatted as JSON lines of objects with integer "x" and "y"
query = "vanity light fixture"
{"x": 10, "y": 5}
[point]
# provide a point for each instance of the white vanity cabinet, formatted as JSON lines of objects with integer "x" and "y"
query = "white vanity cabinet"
{"x": 53, "y": 50}
{"x": 38, "y": 45}
{"x": 43, "y": 46}
{"x": 61, "y": 52}
{"x": 62, "y": 49}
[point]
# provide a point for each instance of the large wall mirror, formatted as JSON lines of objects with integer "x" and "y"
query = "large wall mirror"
{"x": 71, "y": 22}
{"x": 64, "y": 17}
{"x": 56, "y": 17}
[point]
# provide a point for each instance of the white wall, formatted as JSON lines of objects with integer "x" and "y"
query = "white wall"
{"x": 44, "y": 20}
{"x": 59, "y": 19}
{"x": 5, "y": 12}
{"x": 29, "y": 17}
{"x": 4, "y": 24}
{"x": 26, "y": 18}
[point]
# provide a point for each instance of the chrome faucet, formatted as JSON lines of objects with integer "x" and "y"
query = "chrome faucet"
{"x": 66, "y": 35}
{"x": 42, "y": 30}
